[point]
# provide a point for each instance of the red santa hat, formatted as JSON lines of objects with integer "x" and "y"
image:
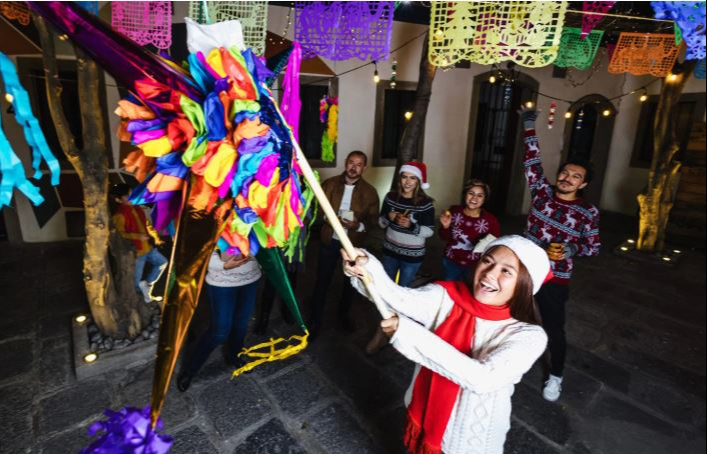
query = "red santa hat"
{"x": 419, "y": 169}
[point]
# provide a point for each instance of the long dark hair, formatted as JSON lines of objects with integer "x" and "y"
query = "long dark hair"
{"x": 522, "y": 304}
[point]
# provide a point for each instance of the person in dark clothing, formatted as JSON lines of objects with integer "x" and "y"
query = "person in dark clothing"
{"x": 357, "y": 203}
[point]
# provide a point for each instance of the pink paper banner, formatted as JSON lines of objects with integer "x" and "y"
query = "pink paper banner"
{"x": 589, "y": 21}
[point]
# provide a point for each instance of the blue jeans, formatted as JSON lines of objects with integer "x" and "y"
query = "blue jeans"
{"x": 158, "y": 263}
{"x": 454, "y": 272}
{"x": 408, "y": 270}
{"x": 230, "y": 309}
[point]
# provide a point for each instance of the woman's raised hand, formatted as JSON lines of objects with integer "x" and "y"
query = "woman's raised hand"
{"x": 446, "y": 219}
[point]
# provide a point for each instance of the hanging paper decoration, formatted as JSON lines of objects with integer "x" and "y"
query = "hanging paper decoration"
{"x": 678, "y": 34}
{"x": 576, "y": 52}
{"x": 700, "y": 70}
{"x": 344, "y": 30}
{"x": 11, "y": 168}
{"x": 253, "y": 16}
{"x": 690, "y": 19}
{"x": 328, "y": 114}
{"x": 276, "y": 64}
{"x": 291, "y": 102}
{"x": 580, "y": 120}
{"x": 144, "y": 22}
{"x": 551, "y": 115}
{"x": 15, "y": 11}
{"x": 525, "y": 32}
{"x": 507, "y": 92}
{"x": 640, "y": 54}
{"x": 91, "y": 7}
{"x": 127, "y": 431}
{"x": 394, "y": 75}
{"x": 589, "y": 21}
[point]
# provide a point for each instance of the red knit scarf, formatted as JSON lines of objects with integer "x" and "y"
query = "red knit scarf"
{"x": 433, "y": 396}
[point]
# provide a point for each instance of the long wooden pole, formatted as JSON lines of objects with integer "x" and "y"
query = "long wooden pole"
{"x": 336, "y": 225}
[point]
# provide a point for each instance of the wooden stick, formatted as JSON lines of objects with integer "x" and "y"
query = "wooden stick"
{"x": 336, "y": 225}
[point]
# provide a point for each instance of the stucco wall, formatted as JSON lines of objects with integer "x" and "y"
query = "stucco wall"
{"x": 449, "y": 116}
{"x": 446, "y": 130}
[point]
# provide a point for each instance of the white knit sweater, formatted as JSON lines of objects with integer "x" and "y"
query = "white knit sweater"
{"x": 245, "y": 274}
{"x": 502, "y": 352}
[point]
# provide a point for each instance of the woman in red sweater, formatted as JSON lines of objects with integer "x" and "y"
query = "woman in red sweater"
{"x": 462, "y": 227}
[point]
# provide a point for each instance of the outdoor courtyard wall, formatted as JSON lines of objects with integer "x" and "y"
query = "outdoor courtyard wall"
{"x": 446, "y": 129}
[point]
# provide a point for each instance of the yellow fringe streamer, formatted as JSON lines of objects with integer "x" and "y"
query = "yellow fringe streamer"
{"x": 271, "y": 353}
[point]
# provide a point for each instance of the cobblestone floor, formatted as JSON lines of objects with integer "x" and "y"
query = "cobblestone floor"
{"x": 635, "y": 381}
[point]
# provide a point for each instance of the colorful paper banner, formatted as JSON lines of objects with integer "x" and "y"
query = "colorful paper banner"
{"x": 525, "y": 32}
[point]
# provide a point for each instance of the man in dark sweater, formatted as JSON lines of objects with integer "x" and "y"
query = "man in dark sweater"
{"x": 358, "y": 205}
{"x": 566, "y": 226}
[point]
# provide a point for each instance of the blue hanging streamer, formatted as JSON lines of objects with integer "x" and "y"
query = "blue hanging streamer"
{"x": 23, "y": 115}
{"x": 12, "y": 170}
{"x": 91, "y": 7}
{"x": 690, "y": 18}
{"x": 13, "y": 175}
{"x": 700, "y": 70}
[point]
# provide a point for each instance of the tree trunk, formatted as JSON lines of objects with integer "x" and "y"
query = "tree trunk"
{"x": 657, "y": 201}
{"x": 413, "y": 130}
{"x": 115, "y": 305}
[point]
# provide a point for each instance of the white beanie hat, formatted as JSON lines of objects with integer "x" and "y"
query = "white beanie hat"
{"x": 532, "y": 256}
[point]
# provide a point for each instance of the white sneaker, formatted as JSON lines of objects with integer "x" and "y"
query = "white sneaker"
{"x": 146, "y": 290}
{"x": 553, "y": 388}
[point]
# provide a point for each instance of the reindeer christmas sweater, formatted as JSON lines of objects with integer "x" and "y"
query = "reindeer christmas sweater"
{"x": 552, "y": 220}
{"x": 464, "y": 232}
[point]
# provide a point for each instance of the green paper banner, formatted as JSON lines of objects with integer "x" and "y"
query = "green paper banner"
{"x": 577, "y": 52}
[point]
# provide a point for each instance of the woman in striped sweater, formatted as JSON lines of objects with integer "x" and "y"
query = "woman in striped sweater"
{"x": 408, "y": 218}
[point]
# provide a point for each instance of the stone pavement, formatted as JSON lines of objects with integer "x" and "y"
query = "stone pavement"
{"x": 635, "y": 381}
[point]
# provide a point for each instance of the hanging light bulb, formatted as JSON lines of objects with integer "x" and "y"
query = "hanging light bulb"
{"x": 376, "y": 77}
{"x": 568, "y": 114}
{"x": 408, "y": 115}
{"x": 606, "y": 112}
{"x": 672, "y": 77}
{"x": 9, "y": 98}
{"x": 644, "y": 96}
{"x": 492, "y": 79}
{"x": 529, "y": 104}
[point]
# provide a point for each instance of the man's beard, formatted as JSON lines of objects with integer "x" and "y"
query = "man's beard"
{"x": 559, "y": 189}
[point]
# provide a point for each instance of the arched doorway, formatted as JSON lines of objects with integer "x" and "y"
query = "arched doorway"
{"x": 495, "y": 141}
{"x": 588, "y": 135}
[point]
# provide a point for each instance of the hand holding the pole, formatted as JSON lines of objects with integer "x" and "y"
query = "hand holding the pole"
{"x": 390, "y": 325}
{"x": 353, "y": 267}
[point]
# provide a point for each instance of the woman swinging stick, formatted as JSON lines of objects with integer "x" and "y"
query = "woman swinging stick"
{"x": 472, "y": 343}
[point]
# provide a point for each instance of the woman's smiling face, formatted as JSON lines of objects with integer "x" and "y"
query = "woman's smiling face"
{"x": 408, "y": 182}
{"x": 475, "y": 197}
{"x": 496, "y": 276}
